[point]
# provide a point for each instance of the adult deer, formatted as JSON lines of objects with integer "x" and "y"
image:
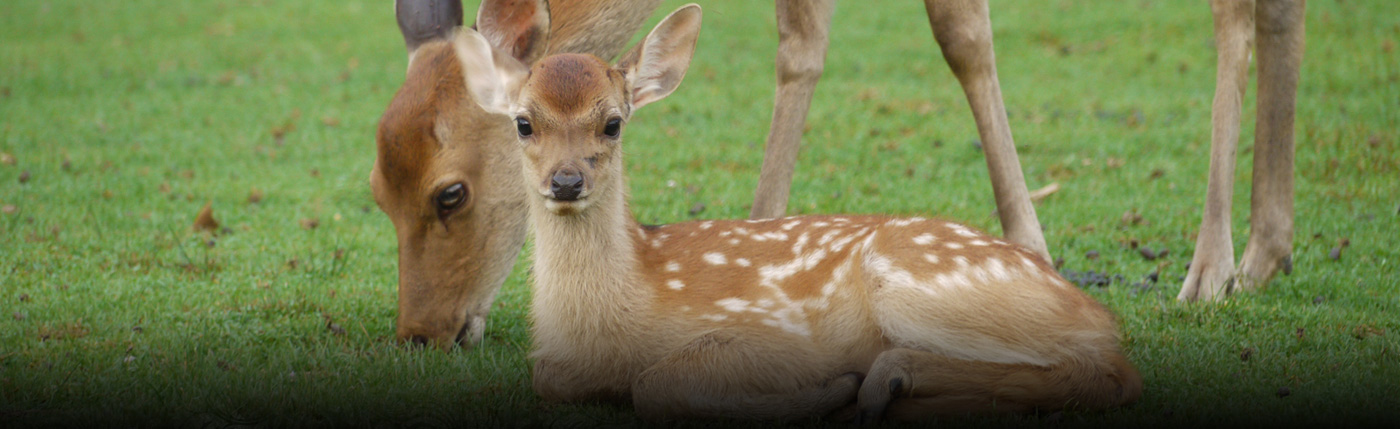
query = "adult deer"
{"x": 1277, "y": 27}
{"x": 776, "y": 318}
{"x": 443, "y": 179}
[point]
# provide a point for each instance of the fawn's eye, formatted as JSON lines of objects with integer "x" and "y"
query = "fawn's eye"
{"x": 613, "y": 127}
{"x": 450, "y": 198}
{"x": 522, "y": 126}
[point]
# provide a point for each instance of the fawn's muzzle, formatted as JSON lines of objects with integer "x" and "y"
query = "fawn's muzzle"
{"x": 566, "y": 185}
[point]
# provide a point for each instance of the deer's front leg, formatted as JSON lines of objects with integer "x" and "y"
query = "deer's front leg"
{"x": 1279, "y": 32}
{"x": 1212, "y": 267}
{"x": 802, "y": 42}
{"x": 963, "y": 29}
{"x": 746, "y": 375}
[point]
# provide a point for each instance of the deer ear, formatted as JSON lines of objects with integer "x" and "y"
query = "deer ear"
{"x": 518, "y": 27}
{"x": 421, "y": 21}
{"x": 493, "y": 77}
{"x": 656, "y": 66}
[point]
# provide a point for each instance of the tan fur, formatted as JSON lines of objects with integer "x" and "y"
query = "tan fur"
{"x": 446, "y": 288}
{"x": 767, "y": 318}
{"x": 1277, "y": 25}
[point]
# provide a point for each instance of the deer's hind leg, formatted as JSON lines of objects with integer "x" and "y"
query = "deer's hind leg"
{"x": 727, "y": 374}
{"x": 802, "y": 41}
{"x": 1212, "y": 266}
{"x": 963, "y": 29}
{"x": 907, "y": 384}
{"x": 1279, "y": 39}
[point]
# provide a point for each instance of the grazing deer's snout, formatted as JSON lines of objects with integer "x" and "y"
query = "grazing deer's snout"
{"x": 566, "y": 185}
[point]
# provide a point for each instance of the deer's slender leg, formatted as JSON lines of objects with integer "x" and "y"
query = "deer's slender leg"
{"x": 1212, "y": 266}
{"x": 1279, "y": 35}
{"x": 802, "y": 41}
{"x": 726, "y": 374}
{"x": 907, "y": 384}
{"x": 963, "y": 29}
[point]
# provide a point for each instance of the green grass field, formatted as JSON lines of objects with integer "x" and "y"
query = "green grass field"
{"x": 120, "y": 120}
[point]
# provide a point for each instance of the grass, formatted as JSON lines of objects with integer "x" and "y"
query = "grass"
{"x": 127, "y": 117}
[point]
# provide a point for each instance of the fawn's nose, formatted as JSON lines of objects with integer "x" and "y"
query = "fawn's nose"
{"x": 566, "y": 185}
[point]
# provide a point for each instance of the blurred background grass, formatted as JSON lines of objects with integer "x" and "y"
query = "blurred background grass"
{"x": 120, "y": 120}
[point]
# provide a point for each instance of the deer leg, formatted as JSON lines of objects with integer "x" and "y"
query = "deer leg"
{"x": 725, "y": 374}
{"x": 1279, "y": 34}
{"x": 907, "y": 384}
{"x": 1210, "y": 275}
{"x": 802, "y": 32}
{"x": 963, "y": 29}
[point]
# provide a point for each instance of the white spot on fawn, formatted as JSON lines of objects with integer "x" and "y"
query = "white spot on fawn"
{"x": 675, "y": 284}
{"x": 742, "y": 262}
{"x": 772, "y": 235}
{"x": 801, "y": 242}
{"x": 673, "y": 266}
{"x": 821, "y": 224}
{"x": 894, "y": 277}
{"x": 733, "y": 242}
{"x": 900, "y": 222}
{"x": 707, "y": 224}
{"x": 931, "y": 258}
{"x": 733, "y": 305}
{"x": 978, "y": 243}
{"x": 961, "y": 230}
{"x": 715, "y": 258}
{"x": 788, "y": 226}
{"x": 841, "y": 243}
{"x": 714, "y": 317}
{"x": 996, "y": 269}
{"x": 923, "y": 239}
{"x": 954, "y": 246}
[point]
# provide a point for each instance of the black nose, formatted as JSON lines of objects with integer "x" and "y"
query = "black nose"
{"x": 566, "y": 185}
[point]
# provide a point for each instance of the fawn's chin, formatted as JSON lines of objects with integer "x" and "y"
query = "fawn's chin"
{"x": 565, "y": 208}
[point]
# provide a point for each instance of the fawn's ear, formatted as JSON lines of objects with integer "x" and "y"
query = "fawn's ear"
{"x": 518, "y": 27}
{"x": 421, "y": 21}
{"x": 656, "y": 66}
{"x": 493, "y": 77}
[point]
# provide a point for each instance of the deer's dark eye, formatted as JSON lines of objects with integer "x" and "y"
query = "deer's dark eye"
{"x": 613, "y": 127}
{"x": 522, "y": 126}
{"x": 450, "y": 198}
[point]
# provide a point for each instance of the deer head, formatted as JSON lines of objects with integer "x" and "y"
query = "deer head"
{"x": 446, "y": 173}
{"x": 569, "y": 109}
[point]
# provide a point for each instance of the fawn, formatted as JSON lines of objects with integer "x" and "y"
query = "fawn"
{"x": 769, "y": 319}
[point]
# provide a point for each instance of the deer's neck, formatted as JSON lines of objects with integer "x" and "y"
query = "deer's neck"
{"x": 586, "y": 281}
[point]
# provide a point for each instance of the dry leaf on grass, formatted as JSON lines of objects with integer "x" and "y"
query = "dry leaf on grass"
{"x": 205, "y": 221}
